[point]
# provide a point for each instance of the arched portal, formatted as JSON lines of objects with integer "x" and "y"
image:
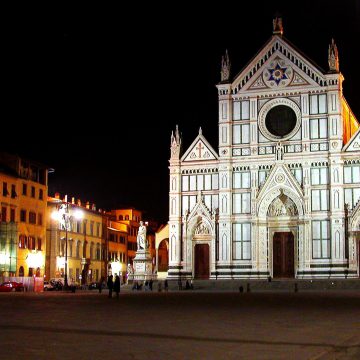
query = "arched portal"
{"x": 163, "y": 256}
{"x": 201, "y": 250}
{"x": 282, "y": 220}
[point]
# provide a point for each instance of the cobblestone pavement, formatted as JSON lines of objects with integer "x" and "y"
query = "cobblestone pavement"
{"x": 180, "y": 325}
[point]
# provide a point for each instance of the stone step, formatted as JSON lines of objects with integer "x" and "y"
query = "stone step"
{"x": 262, "y": 285}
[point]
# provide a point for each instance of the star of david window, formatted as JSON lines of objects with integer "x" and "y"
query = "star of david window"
{"x": 277, "y": 74}
{"x": 280, "y": 120}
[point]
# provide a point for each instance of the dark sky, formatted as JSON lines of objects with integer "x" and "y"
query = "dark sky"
{"x": 98, "y": 99}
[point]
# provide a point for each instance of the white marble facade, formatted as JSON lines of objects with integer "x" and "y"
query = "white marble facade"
{"x": 284, "y": 169}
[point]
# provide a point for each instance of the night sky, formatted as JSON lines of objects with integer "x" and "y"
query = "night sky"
{"x": 98, "y": 102}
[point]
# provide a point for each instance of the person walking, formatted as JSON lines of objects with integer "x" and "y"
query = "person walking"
{"x": 110, "y": 285}
{"x": 166, "y": 286}
{"x": 150, "y": 284}
{"x": 100, "y": 284}
{"x": 117, "y": 286}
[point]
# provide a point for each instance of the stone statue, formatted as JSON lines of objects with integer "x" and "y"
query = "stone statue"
{"x": 141, "y": 237}
{"x": 279, "y": 151}
{"x": 130, "y": 269}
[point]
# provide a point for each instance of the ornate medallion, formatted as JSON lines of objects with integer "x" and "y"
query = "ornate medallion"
{"x": 278, "y": 74}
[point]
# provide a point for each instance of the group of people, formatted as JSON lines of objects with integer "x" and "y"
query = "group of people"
{"x": 147, "y": 286}
{"x": 113, "y": 285}
{"x": 188, "y": 285}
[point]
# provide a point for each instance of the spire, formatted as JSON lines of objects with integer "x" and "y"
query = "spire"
{"x": 225, "y": 67}
{"x": 175, "y": 144}
{"x": 333, "y": 57}
{"x": 278, "y": 26}
{"x": 177, "y": 135}
{"x": 200, "y": 130}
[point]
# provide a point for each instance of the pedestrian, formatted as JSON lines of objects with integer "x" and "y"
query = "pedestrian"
{"x": 191, "y": 284}
{"x": 100, "y": 284}
{"x": 159, "y": 286}
{"x": 117, "y": 286}
{"x": 180, "y": 284}
{"x": 150, "y": 284}
{"x": 166, "y": 286}
{"x": 110, "y": 285}
{"x": 134, "y": 287}
{"x": 187, "y": 285}
{"x": 146, "y": 285}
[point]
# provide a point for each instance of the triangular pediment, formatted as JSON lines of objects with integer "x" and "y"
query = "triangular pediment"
{"x": 280, "y": 176}
{"x": 200, "y": 220}
{"x": 278, "y": 65}
{"x": 354, "y": 143}
{"x": 200, "y": 150}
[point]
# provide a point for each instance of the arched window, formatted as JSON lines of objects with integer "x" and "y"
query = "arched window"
{"x": 92, "y": 250}
{"x": 84, "y": 249}
{"x": 22, "y": 241}
{"x": 78, "y": 249}
{"x": 21, "y": 271}
{"x": 62, "y": 247}
{"x": 98, "y": 252}
{"x": 121, "y": 217}
{"x": 37, "y": 272}
{"x": 126, "y": 217}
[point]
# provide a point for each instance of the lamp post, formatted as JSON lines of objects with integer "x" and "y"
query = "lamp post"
{"x": 63, "y": 216}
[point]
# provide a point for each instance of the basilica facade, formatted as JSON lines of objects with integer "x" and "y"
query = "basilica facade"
{"x": 280, "y": 197}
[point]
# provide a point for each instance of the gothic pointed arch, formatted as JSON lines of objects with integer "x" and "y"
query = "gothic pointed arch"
{"x": 201, "y": 220}
{"x": 276, "y": 192}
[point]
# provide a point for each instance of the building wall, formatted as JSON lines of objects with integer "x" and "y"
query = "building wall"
{"x": 259, "y": 184}
{"x": 23, "y": 197}
{"x": 84, "y": 247}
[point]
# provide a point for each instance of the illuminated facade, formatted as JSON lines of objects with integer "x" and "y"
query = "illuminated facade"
{"x": 23, "y": 207}
{"x": 280, "y": 197}
{"x": 86, "y": 249}
{"x": 117, "y": 239}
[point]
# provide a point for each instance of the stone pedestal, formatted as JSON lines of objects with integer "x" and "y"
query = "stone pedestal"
{"x": 142, "y": 265}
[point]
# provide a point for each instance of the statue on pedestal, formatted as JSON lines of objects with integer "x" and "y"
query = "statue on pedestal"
{"x": 141, "y": 237}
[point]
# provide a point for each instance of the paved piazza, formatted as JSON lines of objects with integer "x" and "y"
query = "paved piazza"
{"x": 181, "y": 325}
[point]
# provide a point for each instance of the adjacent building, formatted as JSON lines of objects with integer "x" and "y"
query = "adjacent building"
{"x": 76, "y": 235}
{"x": 280, "y": 196}
{"x": 23, "y": 195}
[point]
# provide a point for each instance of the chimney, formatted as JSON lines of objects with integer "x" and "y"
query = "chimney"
{"x": 88, "y": 205}
{"x": 65, "y": 198}
{"x": 78, "y": 202}
{"x": 73, "y": 200}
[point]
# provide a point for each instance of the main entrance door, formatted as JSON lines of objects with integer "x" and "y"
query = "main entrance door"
{"x": 202, "y": 261}
{"x": 283, "y": 255}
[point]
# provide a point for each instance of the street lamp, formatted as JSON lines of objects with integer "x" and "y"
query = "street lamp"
{"x": 63, "y": 216}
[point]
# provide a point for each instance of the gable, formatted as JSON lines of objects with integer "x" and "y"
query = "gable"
{"x": 354, "y": 143}
{"x": 200, "y": 150}
{"x": 279, "y": 64}
{"x": 278, "y": 73}
{"x": 280, "y": 175}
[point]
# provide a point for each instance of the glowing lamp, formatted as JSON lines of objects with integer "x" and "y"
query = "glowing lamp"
{"x": 78, "y": 214}
{"x": 4, "y": 259}
{"x": 60, "y": 261}
{"x": 116, "y": 267}
{"x": 34, "y": 260}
